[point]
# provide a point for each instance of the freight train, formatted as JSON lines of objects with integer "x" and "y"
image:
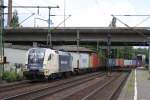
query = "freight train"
{"x": 49, "y": 63}
{"x": 122, "y": 63}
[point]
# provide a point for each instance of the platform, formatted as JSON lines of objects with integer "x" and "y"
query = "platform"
{"x": 137, "y": 86}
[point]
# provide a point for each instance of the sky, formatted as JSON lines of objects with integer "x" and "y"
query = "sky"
{"x": 84, "y": 13}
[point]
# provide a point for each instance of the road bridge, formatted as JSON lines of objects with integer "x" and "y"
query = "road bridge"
{"x": 87, "y": 35}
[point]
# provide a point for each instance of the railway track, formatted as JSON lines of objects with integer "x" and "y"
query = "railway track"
{"x": 107, "y": 89}
{"x": 15, "y": 86}
{"x": 51, "y": 88}
{"x": 95, "y": 86}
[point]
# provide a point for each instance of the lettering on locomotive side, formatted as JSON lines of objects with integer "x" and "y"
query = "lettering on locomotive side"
{"x": 64, "y": 62}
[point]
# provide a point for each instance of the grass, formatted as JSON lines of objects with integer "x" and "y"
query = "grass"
{"x": 11, "y": 76}
{"x": 130, "y": 85}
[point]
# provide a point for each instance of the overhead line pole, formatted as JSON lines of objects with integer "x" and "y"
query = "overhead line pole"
{"x": 49, "y": 35}
{"x": 2, "y": 7}
{"x": 140, "y": 33}
{"x": 9, "y": 12}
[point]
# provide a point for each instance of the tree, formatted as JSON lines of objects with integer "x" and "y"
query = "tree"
{"x": 120, "y": 53}
{"x": 128, "y": 52}
{"x": 15, "y": 20}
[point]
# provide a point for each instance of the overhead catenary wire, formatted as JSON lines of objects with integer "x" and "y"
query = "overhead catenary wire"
{"x": 140, "y": 33}
{"x": 142, "y": 21}
{"x": 26, "y": 18}
{"x": 47, "y": 2}
{"x": 23, "y": 8}
{"x": 35, "y": 6}
{"x": 62, "y": 22}
{"x": 131, "y": 15}
{"x": 64, "y": 12}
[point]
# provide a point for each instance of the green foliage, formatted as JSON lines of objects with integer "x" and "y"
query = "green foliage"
{"x": 142, "y": 51}
{"x": 15, "y": 20}
{"x": 120, "y": 53}
{"x": 128, "y": 52}
{"x": 11, "y": 76}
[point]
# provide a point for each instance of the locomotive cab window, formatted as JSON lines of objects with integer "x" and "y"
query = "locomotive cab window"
{"x": 36, "y": 56}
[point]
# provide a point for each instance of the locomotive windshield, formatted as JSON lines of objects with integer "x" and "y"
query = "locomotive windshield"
{"x": 36, "y": 58}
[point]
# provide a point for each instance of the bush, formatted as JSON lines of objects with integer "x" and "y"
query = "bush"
{"x": 11, "y": 76}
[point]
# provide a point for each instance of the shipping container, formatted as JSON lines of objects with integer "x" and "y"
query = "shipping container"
{"x": 126, "y": 63}
{"x": 130, "y": 63}
{"x": 112, "y": 62}
{"x": 75, "y": 60}
{"x": 117, "y": 62}
{"x": 120, "y": 62}
{"x": 94, "y": 60}
{"x": 84, "y": 60}
{"x": 99, "y": 62}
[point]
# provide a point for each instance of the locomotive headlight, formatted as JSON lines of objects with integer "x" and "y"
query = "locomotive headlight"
{"x": 41, "y": 70}
{"x": 25, "y": 69}
{"x": 46, "y": 71}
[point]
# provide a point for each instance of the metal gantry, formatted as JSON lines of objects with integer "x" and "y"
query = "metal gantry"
{"x": 49, "y": 35}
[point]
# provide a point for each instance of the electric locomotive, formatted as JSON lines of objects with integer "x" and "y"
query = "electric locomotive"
{"x": 46, "y": 63}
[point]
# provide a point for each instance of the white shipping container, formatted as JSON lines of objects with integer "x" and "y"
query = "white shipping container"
{"x": 75, "y": 58}
{"x": 84, "y": 60}
{"x": 112, "y": 62}
{"x": 129, "y": 62}
{"x": 126, "y": 62}
{"x": 134, "y": 62}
